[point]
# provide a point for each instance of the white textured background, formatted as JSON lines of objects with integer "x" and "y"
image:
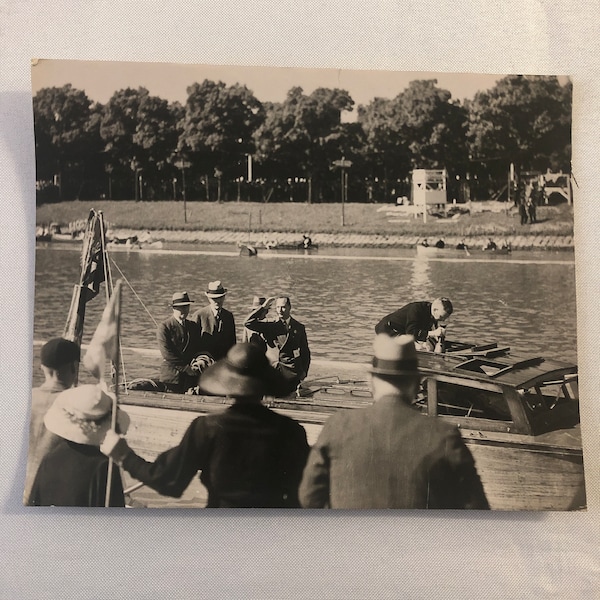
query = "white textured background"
{"x": 80, "y": 554}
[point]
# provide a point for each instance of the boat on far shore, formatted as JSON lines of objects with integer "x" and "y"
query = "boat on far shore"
{"x": 463, "y": 250}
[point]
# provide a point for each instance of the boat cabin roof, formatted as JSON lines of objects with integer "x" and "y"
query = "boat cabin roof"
{"x": 495, "y": 364}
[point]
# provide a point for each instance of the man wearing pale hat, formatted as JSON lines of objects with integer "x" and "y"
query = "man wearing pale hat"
{"x": 60, "y": 363}
{"x": 389, "y": 455}
{"x": 179, "y": 344}
{"x": 217, "y": 325}
{"x": 75, "y": 472}
{"x": 249, "y": 456}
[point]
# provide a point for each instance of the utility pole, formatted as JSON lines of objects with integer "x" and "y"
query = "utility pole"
{"x": 343, "y": 164}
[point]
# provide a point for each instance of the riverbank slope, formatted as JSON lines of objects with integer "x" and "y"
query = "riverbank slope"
{"x": 373, "y": 225}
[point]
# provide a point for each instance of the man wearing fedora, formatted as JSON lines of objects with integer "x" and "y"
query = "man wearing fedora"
{"x": 217, "y": 325}
{"x": 423, "y": 320}
{"x": 286, "y": 336}
{"x": 75, "y": 472}
{"x": 180, "y": 346}
{"x": 249, "y": 456}
{"x": 60, "y": 363}
{"x": 389, "y": 455}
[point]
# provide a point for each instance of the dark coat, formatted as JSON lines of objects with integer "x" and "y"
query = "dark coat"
{"x": 215, "y": 338}
{"x": 75, "y": 475}
{"x": 390, "y": 456}
{"x": 414, "y": 319}
{"x": 292, "y": 343}
{"x": 249, "y": 456}
{"x": 178, "y": 347}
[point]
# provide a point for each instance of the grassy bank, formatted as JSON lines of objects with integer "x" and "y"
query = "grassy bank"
{"x": 484, "y": 219}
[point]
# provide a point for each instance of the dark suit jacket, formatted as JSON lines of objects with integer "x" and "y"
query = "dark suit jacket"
{"x": 178, "y": 347}
{"x": 292, "y": 342}
{"x": 249, "y": 456}
{"x": 414, "y": 319}
{"x": 215, "y": 338}
{"x": 390, "y": 456}
{"x": 75, "y": 475}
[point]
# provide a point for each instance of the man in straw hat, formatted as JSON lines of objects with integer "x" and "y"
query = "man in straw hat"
{"x": 59, "y": 361}
{"x": 388, "y": 455}
{"x": 180, "y": 346}
{"x": 217, "y": 325}
{"x": 75, "y": 472}
{"x": 249, "y": 456}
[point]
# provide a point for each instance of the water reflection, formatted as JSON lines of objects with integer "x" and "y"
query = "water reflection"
{"x": 530, "y": 306}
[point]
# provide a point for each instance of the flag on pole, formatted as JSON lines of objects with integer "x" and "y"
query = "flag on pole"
{"x": 93, "y": 273}
{"x": 105, "y": 341}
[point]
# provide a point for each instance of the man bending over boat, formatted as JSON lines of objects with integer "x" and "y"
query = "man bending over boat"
{"x": 389, "y": 455}
{"x": 287, "y": 344}
{"x": 249, "y": 456}
{"x": 179, "y": 343}
{"x": 423, "y": 320}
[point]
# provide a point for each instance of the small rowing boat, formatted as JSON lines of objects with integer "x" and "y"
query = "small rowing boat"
{"x": 447, "y": 251}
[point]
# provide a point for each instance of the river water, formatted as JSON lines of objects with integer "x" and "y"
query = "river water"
{"x": 526, "y": 300}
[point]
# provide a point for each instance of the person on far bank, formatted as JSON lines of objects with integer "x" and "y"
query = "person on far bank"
{"x": 179, "y": 344}
{"x": 287, "y": 344}
{"x": 249, "y": 456}
{"x": 425, "y": 321}
{"x": 217, "y": 325}
{"x": 60, "y": 363}
{"x": 389, "y": 455}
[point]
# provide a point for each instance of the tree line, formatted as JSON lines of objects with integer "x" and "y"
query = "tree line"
{"x": 224, "y": 144}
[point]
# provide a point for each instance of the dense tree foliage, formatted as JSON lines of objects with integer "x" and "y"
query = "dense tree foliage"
{"x": 141, "y": 146}
{"x": 525, "y": 120}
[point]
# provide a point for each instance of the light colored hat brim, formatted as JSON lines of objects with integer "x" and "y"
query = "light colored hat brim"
{"x": 215, "y": 295}
{"x": 176, "y": 304}
{"x": 82, "y": 431}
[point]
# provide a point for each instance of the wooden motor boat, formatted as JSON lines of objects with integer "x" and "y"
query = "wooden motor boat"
{"x": 518, "y": 415}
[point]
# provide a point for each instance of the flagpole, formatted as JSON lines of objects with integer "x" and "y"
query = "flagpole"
{"x": 109, "y": 290}
{"x": 113, "y": 422}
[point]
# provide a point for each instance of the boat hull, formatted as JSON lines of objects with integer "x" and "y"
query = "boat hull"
{"x": 517, "y": 472}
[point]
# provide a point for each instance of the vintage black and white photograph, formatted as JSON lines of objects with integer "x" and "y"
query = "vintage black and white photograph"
{"x": 303, "y": 288}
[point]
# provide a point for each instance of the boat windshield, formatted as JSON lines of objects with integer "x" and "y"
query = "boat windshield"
{"x": 471, "y": 402}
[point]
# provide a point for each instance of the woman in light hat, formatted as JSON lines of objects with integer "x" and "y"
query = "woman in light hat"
{"x": 249, "y": 455}
{"x": 74, "y": 472}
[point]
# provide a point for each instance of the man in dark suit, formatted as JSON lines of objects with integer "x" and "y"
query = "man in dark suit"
{"x": 287, "y": 344}
{"x": 179, "y": 344}
{"x": 389, "y": 455}
{"x": 422, "y": 320}
{"x": 217, "y": 325}
{"x": 249, "y": 455}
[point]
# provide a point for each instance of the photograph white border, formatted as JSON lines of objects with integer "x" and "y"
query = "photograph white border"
{"x": 274, "y": 554}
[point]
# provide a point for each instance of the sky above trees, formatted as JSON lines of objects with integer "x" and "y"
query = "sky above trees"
{"x": 100, "y": 79}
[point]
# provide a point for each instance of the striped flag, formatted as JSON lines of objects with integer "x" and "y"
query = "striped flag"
{"x": 105, "y": 341}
